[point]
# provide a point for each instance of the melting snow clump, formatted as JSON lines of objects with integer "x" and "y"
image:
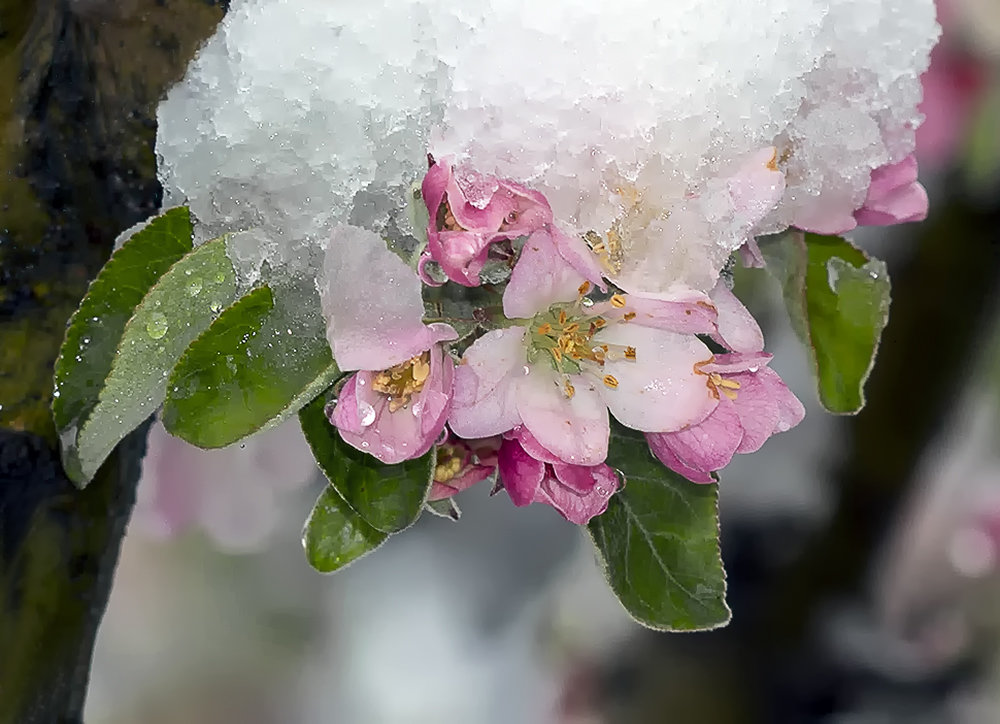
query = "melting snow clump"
{"x": 299, "y": 115}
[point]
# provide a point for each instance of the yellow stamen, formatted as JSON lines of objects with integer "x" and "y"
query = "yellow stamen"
{"x": 617, "y": 301}
{"x": 584, "y": 288}
{"x": 772, "y": 165}
{"x": 401, "y": 382}
{"x": 568, "y": 389}
{"x": 562, "y": 317}
{"x": 629, "y": 316}
{"x": 544, "y": 328}
{"x": 630, "y": 354}
{"x": 610, "y": 381}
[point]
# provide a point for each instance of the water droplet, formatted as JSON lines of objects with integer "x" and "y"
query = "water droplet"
{"x": 526, "y": 369}
{"x": 367, "y": 414}
{"x": 156, "y": 327}
{"x": 602, "y": 491}
{"x": 754, "y": 368}
{"x": 873, "y": 275}
{"x": 194, "y": 287}
{"x": 361, "y": 382}
{"x": 364, "y": 444}
{"x": 417, "y": 409}
{"x": 86, "y": 340}
{"x": 587, "y": 302}
{"x": 215, "y": 307}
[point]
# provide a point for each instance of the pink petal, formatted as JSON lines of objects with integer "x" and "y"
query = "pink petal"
{"x": 485, "y": 384}
{"x": 578, "y": 478}
{"x": 579, "y": 256}
{"x": 346, "y": 413}
{"x": 728, "y": 364}
{"x": 750, "y": 254}
{"x": 574, "y": 429}
{"x": 659, "y": 391}
{"x": 660, "y": 447}
{"x": 573, "y": 506}
{"x": 738, "y": 330}
{"x": 710, "y": 444}
{"x": 765, "y": 406}
{"x": 531, "y": 445}
{"x": 407, "y": 433}
{"x": 894, "y": 196}
{"x": 688, "y": 313}
{"x": 520, "y": 473}
{"x": 756, "y": 187}
{"x": 372, "y": 303}
{"x": 540, "y": 278}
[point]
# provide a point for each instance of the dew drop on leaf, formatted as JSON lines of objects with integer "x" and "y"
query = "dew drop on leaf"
{"x": 156, "y": 327}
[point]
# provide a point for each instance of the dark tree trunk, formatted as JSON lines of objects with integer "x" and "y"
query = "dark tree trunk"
{"x": 79, "y": 84}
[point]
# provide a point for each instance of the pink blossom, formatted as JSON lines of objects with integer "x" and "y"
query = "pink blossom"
{"x": 395, "y": 407}
{"x": 572, "y": 359}
{"x": 753, "y": 404}
{"x": 532, "y": 474}
{"x": 234, "y": 493}
{"x": 894, "y": 197}
{"x": 461, "y": 464}
{"x": 398, "y": 413}
{"x": 952, "y": 85}
{"x": 469, "y": 212}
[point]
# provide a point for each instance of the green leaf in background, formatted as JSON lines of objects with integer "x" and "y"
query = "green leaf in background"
{"x": 659, "y": 542}
{"x": 838, "y": 301}
{"x": 389, "y": 497}
{"x": 179, "y": 307}
{"x": 335, "y": 536}
{"x": 243, "y": 375}
{"x": 95, "y": 329}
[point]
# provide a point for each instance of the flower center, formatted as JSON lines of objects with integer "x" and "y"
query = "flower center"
{"x": 446, "y": 219}
{"x": 401, "y": 382}
{"x": 564, "y": 334}
{"x": 450, "y": 461}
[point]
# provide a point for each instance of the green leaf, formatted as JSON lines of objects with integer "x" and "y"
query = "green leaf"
{"x": 838, "y": 301}
{"x": 179, "y": 307}
{"x": 95, "y": 329}
{"x": 659, "y": 542}
{"x": 240, "y": 377}
{"x": 444, "y": 508}
{"x": 389, "y": 497}
{"x": 335, "y": 536}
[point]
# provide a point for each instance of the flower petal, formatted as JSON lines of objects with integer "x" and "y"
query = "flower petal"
{"x": 894, "y": 196}
{"x": 366, "y": 423}
{"x": 659, "y": 445}
{"x": 686, "y": 313}
{"x": 372, "y": 303}
{"x": 531, "y": 445}
{"x": 574, "y": 429}
{"x": 738, "y": 330}
{"x": 765, "y": 406}
{"x": 484, "y": 401}
{"x": 520, "y": 473}
{"x": 576, "y": 507}
{"x": 540, "y": 278}
{"x": 710, "y": 444}
{"x": 659, "y": 391}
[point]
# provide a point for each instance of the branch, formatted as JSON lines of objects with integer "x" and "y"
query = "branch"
{"x": 80, "y": 83}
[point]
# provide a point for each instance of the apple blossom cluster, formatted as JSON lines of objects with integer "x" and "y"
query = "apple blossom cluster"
{"x": 593, "y": 168}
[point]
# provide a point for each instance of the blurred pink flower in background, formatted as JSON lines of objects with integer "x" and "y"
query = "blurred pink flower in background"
{"x": 233, "y": 494}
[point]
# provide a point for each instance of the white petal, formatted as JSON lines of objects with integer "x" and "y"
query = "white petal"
{"x": 483, "y": 404}
{"x": 660, "y": 391}
{"x": 575, "y": 429}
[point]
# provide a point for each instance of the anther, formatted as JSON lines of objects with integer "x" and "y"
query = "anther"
{"x": 610, "y": 381}
{"x": 617, "y": 301}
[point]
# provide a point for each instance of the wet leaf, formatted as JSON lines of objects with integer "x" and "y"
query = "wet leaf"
{"x": 838, "y": 301}
{"x": 95, "y": 330}
{"x": 249, "y": 373}
{"x": 389, "y": 497}
{"x": 179, "y": 307}
{"x": 336, "y": 536}
{"x": 659, "y": 542}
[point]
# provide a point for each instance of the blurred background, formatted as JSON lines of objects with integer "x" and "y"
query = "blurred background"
{"x": 863, "y": 553}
